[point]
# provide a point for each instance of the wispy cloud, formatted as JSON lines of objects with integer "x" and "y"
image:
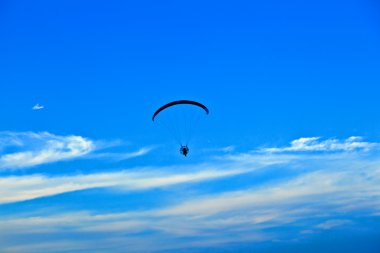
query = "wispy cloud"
{"x": 123, "y": 156}
{"x": 28, "y": 149}
{"x": 317, "y": 144}
{"x": 226, "y": 149}
{"x": 332, "y": 224}
{"x": 211, "y": 218}
{"x": 40, "y": 148}
{"x": 347, "y": 181}
{"x": 20, "y": 188}
{"x": 37, "y": 107}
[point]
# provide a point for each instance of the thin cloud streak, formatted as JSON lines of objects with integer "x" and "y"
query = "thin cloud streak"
{"x": 327, "y": 225}
{"x": 21, "y": 188}
{"x": 121, "y": 156}
{"x": 316, "y": 144}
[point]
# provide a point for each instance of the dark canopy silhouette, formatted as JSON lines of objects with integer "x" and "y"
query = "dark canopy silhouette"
{"x": 180, "y": 102}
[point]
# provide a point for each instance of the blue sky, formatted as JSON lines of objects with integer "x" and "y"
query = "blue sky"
{"x": 287, "y": 160}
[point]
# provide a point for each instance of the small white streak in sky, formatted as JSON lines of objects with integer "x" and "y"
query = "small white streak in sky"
{"x": 316, "y": 144}
{"x": 37, "y": 107}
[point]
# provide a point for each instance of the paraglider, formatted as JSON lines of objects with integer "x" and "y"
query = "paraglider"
{"x": 184, "y": 150}
{"x": 181, "y": 118}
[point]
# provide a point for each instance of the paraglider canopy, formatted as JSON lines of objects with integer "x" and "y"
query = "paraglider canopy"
{"x": 180, "y": 118}
{"x": 180, "y": 102}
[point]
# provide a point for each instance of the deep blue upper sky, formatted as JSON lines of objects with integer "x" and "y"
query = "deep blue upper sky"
{"x": 278, "y": 68}
{"x": 270, "y": 71}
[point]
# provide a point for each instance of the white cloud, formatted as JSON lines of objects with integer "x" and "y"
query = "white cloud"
{"x": 332, "y": 224}
{"x": 28, "y": 149}
{"x": 123, "y": 156}
{"x": 320, "y": 188}
{"x": 333, "y": 187}
{"x": 20, "y": 188}
{"x": 41, "y": 148}
{"x": 212, "y": 217}
{"x": 316, "y": 144}
{"x": 37, "y": 107}
{"x": 226, "y": 149}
